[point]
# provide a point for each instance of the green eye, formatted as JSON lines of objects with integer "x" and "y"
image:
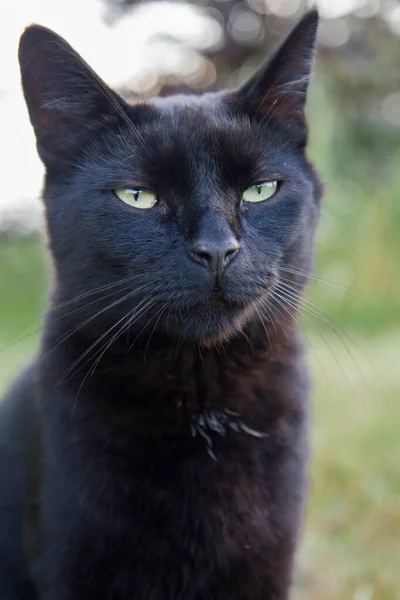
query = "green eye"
{"x": 138, "y": 198}
{"x": 260, "y": 191}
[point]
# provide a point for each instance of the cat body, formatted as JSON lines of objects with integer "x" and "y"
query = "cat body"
{"x": 170, "y": 391}
{"x": 160, "y": 512}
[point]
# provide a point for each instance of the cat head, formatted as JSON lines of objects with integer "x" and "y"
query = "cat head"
{"x": 184, "y": 213}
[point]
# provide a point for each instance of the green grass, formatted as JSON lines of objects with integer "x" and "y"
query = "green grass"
{"x": 351, "y": 544}
{"x": 22, "y": 283}
{"x": 350, "y": 548}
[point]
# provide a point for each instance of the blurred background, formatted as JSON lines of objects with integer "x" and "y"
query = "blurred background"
{"x": 351, "y": 546}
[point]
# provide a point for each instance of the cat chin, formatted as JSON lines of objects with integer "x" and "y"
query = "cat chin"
{"x": 210, "y": 327}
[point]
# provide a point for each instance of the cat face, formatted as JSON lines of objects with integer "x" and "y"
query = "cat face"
{"x": 189, "y": 206}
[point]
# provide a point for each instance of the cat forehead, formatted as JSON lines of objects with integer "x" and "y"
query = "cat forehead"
{"x": 183, "y": 136}
{"x": 204, "y": 125}
{"x": 203, "y": 116}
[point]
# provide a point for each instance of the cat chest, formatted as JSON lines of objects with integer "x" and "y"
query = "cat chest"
{"x": 180, "y": 538}
{"x": 170, "y": 513}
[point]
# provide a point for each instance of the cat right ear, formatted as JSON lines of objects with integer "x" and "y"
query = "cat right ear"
{"x": 65, "y": 98}
{"x": 277, "y": 90}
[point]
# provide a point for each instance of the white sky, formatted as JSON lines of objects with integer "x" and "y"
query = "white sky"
{"x": 80, "y": 22}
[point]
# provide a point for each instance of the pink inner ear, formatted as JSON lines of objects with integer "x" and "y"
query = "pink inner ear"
{"x": 280, "y": 105}
{"x": 45, "y": 119}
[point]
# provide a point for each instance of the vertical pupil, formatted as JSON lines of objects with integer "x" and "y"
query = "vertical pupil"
{"x": 258, "y": 189}
{"x": 136, "y": 196}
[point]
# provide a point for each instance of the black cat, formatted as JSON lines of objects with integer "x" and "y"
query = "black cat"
{"x": 167, "y": 408}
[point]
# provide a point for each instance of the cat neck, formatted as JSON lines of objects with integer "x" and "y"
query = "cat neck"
{"x": 157, "y": 375}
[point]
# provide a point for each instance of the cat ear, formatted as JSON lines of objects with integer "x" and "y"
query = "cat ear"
{"x": 277, "y": 91}
{"x": 65, "y": 98}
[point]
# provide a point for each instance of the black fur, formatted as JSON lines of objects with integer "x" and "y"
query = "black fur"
{"x": 173, "y": 445}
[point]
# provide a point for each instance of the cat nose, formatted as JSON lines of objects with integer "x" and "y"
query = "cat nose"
{"x": 214, "y": 243}
{"x": 217, "y": 254}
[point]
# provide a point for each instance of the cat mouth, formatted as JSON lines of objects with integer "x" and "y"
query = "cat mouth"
{"x": 214, "y": 318}
{"x": 217, "y": 302}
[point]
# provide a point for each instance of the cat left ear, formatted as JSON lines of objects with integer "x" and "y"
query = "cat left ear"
{"x": 277, "y": 91}
{"x": 65, "y": 97}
